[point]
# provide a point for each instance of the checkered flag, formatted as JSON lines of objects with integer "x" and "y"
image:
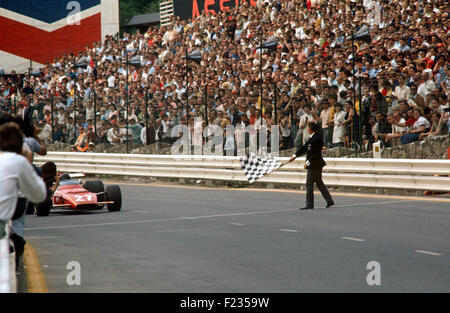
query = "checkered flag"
{"x": 256, "y": 167}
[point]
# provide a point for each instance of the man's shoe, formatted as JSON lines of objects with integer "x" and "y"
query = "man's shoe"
{"x": 307, "y": 208}
{"x": 330, "y": 204}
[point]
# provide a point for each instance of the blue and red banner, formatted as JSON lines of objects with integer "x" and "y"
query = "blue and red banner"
{"x": 40, "y": 30}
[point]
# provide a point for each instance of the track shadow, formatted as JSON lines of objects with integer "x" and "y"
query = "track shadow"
{"x": 76, "y": 212}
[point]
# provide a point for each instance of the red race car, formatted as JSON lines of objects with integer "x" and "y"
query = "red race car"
{"x": 78, "y": 196}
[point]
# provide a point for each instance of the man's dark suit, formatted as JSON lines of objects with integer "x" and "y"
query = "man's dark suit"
{"x": 313, "y": 149}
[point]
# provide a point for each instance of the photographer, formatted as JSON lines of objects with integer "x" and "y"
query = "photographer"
{"x": 16, "y": 175}
{"x": 35, "y": 145}
{"x": 30, "y": 145}
{"x": 51, "y": 180}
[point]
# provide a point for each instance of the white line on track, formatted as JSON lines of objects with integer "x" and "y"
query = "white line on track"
{"x": 175, "y": 230}
{"x": 160, "y": 220}
{"x": 363, "y": 204}
{"x": 237, "y": 214}
{"x": 352, "y": 239}
{"x": 340, "y": 194}
{"x": 199, "y": 217}
{"x": 42, "y": 237}
{"x": 237, "y": 224}
{"x": 289, "y": 230}
{"x": 427, "y": 252}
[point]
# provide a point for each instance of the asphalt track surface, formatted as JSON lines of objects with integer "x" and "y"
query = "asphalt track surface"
{"x": 184, "y": 239}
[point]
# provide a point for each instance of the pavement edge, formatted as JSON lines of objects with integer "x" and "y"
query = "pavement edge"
{"x": 35, "y": 277}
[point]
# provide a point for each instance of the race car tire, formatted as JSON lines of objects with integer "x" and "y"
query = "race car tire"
{"x": 113, "y": 193}
{"x": 43, "y": 209}
{"x": 95, "y": 186}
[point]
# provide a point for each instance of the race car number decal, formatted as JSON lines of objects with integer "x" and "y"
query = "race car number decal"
{"x": 81, "y": 198}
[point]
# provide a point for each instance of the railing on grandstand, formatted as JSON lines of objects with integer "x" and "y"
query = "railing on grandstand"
{"x": 166, "y": 12}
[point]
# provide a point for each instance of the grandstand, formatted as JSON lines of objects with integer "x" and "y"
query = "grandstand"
{"x": 385, "y": 63}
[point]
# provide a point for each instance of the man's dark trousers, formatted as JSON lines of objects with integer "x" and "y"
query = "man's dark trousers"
{"x": 314, "y": 175}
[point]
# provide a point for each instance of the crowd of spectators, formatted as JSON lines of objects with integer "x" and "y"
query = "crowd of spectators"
{"x": 392, "y": 85}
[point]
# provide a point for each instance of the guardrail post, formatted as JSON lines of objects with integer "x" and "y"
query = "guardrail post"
{"x": 206, "y": 104}
{"x": 95, "y": 117}
{"x": 53, "y": 119}
{"x": 275, "y": 102}
{"x": 147, "y": 140}
{"x": 75, "y": 115}
{"x": 7, "y": 262}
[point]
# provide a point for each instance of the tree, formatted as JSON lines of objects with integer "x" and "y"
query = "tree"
{"x": 129, "y": 8}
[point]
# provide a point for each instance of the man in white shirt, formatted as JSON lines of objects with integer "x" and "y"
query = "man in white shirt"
{"x": 420, "y": 125}
{"x": 144, "y": 136}
{"x": 46, "y": 132}
{"x": 90, "y": 114}
{"x": 259, "y": 121}
{"x": 304, "y": 120}
{"x": 426, "y": 87}
{"x": 402, "y": 91}
{"x": 111, "y": 81}
{"x": 114, "y": 134}
{"x": 16, "y": 173}
{"x": 161, "y": 129}
{"x": 61, "y": 117}
{"x": 323, "y": 119}
{"x": 125, "y": 134}
{"x": 397, "y": 131}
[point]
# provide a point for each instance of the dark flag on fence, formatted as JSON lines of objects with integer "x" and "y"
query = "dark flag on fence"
{"x": 255, "y": 167}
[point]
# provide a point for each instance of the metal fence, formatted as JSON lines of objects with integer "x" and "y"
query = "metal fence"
{"x": 377, "y": 173}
